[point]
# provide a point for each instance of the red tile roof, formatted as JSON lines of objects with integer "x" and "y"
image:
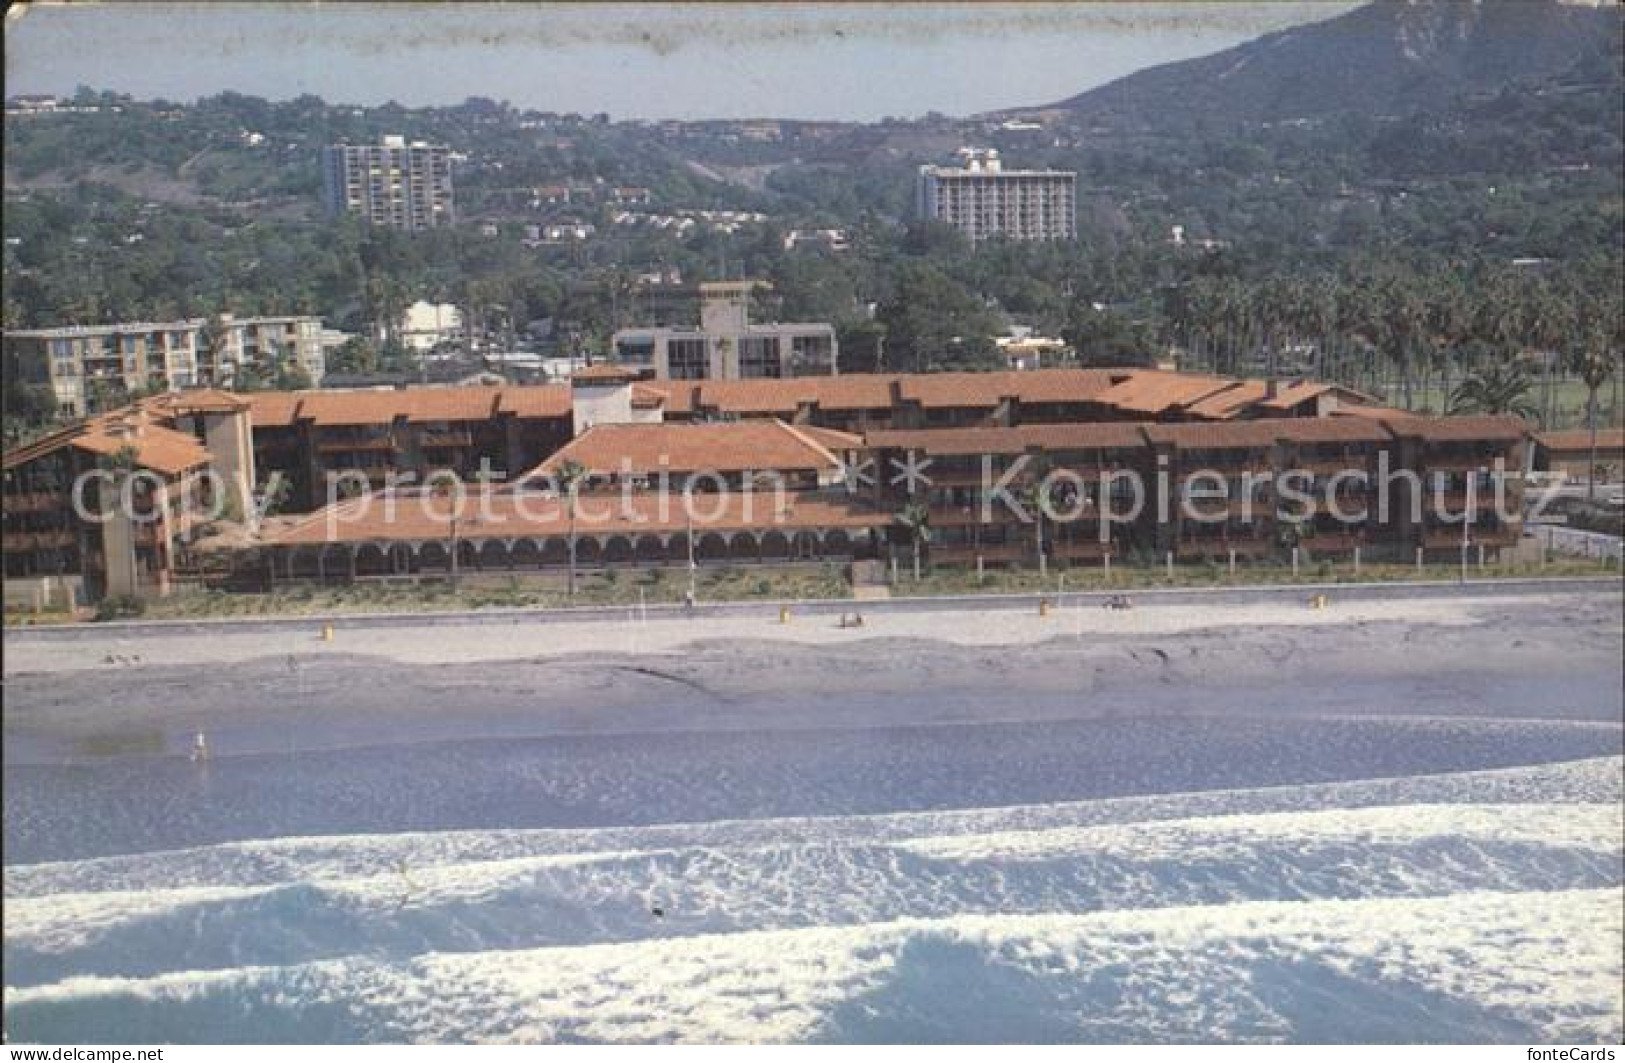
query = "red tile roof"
{"x": 278, "y": 408}
{"x": 158, "y": 448}
{"x": 1579, "y": 439}
{"x": 754, "y": 396}
{"x": 541, "y": 401}
{"x": 724, "y": 447}
{"x": 1303, "y": 390}
{"x": 196, "y": 400}
{"x": 1218, "y": 435}
{"x": 854, "y": 391}
{"x": 1151, "y": 392}
{"x": 1478, "y": 428}
{"x": 1225, "y": 404}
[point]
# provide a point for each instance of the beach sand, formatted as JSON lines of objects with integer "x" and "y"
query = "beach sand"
{"x": 1536, "y": 656}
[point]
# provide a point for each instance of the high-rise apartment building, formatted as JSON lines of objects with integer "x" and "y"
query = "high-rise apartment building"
{"x": 982, "y": 199}
{"x": 394, "y": 184}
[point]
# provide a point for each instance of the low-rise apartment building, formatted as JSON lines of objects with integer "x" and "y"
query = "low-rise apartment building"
{"x": 727, "y": 345}
{"x": 108, "y": 362}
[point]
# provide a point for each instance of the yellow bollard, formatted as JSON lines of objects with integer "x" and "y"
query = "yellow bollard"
{"x": 1043, "y": 607}
{"x": 1318, "y": 602}
{"x": 327, "y": 632}
{"x": 784, "y": 614}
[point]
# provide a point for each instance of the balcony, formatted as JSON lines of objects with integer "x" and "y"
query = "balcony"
{"x": 1323, "y": 465}
{"x": 1251, "y": 546}
{"x": 1451, "y": 538}
{"x": 34, "y": 502}
{"x": 1333, "y": 543}
{"x": 355, "y": 446}
{"x": 1078, "y": 550}
{"x": 1484, "y": 459}
{"x": 42, "y": 540}
{"x": 432, "y": 440}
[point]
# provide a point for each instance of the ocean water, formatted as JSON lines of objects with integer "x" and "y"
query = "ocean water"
{"x": 1245, "y": 869}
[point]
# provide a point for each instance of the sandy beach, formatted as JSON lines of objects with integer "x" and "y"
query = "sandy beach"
{"x": 1471, "y": 654}
{"x": 427, "y": 640}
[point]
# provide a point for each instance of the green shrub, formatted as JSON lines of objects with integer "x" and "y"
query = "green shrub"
{"x": 120, "y": 607}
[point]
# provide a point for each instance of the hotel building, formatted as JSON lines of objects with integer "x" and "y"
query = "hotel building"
{"x": 810, "y": 468}
{"x": 982, "y": 199}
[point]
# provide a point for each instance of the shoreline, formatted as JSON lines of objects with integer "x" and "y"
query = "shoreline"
{"x": 731, "y": 608}
{"x": 666, "y": 633}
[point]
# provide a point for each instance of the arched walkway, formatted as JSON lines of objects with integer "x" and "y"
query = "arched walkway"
{"x": 775, "y": 546}
{"x": 526, "y": 553}
{"x": 371, "y": 560}
{"x": 494, "y": 553}
{"x": 711, "y": 547}
{"x": 617, "y": 550}
{"x": 648, "y": 549}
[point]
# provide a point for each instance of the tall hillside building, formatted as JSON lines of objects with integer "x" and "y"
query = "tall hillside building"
{"x": 392, "y": 184}
{"x": 982, "y": 199}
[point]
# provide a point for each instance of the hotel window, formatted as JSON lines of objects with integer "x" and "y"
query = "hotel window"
{"x": 687, "y": 359}
{"x": 759, "y": 356}
{"x": 640, "y": 351}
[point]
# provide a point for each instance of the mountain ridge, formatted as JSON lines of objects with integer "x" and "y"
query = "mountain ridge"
{"x": 1386, "y": 57}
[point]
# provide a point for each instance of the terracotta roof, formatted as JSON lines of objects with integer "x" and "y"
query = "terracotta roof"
{"x": 649, "y": 449}
{"x": 854, "y": 391}
{"x": 1218, "y": 435}
{"x": 385, "y": 405}
{"x": 157, "y": 448}
{"x": 1225, "y": 404}
{"x": 1151, "y": 392}
{"x": 547, "y": 400}
{"x": 1065, "y": 385}
{"x": 337, "y": 408}
{"x": 1579, "y": 439}
{"x": 947, "y": 442}
{"x": 678, "y": 394}
{"x": 511, "y": 515}
{"x": 753, "y": 396}
{"x": 275, "y": 408}
{"x": 1487, "y": 428}
{"x": 1304, "y": 390}
{"x": 956, "y": 390}
{"x": 647, "y": 398}
{"x": 197, "y": 400}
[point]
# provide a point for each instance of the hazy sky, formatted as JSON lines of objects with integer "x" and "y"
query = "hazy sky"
{"x": 850, "y": 61}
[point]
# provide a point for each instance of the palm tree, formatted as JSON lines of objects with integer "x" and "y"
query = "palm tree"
{"x": 1498, "y": 388}
{"x": 569, "y": 477}
{"x": 916, "y": 517}
{"x": 1593, "y": 363}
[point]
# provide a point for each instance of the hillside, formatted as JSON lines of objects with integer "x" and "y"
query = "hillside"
{"x": 1391, "y": 56}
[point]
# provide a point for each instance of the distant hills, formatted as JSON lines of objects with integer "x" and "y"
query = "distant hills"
{"x": 1387, "y": 57}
